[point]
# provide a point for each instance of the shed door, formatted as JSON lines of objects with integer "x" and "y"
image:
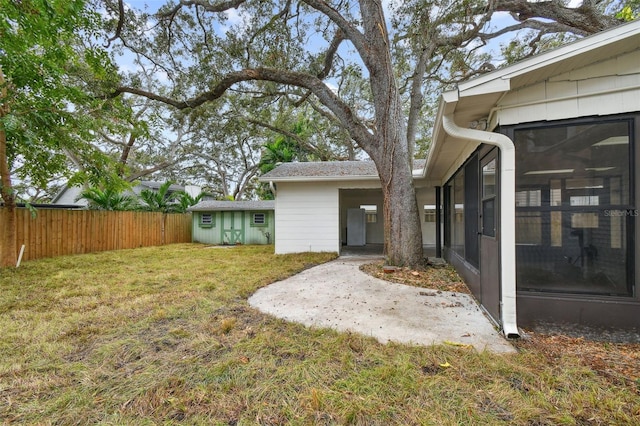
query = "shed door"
{"x": 232, "y": 230}
{"x": 489, "y": 234}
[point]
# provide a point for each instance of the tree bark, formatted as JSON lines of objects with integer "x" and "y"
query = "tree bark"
{"x": 389, "y": 148}
{"x": 8, "y": 245}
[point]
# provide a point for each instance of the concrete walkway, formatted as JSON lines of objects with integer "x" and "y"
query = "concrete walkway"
{"x": 340, "y": 296}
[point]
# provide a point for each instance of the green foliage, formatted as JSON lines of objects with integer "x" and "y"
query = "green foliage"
{"x": 186, "y": 200}
{"x": 630, "y": 11}
{"x": 281, "y": 150}
{"x": 285, "y": 148}
{"x": 49, "y": 71}
{"x": 163, "y": 200}
{"x": 109, "y": 198}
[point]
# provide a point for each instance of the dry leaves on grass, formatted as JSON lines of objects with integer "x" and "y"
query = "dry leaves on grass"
{"x": 620, "y": 362}
{"x": 438, "y": 277}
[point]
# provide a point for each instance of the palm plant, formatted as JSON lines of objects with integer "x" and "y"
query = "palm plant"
{"x": 161, "y": 200}
{"x": 107, "y": 199}
{"x": 186, "y": 200}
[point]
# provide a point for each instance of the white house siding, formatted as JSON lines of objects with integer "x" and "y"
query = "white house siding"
{"x": 426, "y": 197}
{"x": 604, "y": 88}
{"x": 307, "y": 217}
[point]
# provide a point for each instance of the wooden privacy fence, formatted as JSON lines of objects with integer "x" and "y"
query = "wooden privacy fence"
{"x": 55, "y": 232}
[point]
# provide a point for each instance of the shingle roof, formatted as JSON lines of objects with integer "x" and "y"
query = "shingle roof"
{"x": 156, "y": 185}
{"x": 215, "y": 205}
{"x": 327, "y": 170}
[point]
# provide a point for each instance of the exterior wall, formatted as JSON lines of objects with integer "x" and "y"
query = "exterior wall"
{"x": 206, "y": 234}
{"x": 605, "y": 88}
{"x": 311, "y": 216}
{"x": 354, "y": 198}
{"x": 307, "y": 217}
{"x": 427, "y": 197}
{"x": 257, "y": 234}
{"x": 69, "y": 195}
{"x": 214, "y": 233}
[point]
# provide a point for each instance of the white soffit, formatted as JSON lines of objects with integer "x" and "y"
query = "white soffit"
{"x": 597, "y": 47}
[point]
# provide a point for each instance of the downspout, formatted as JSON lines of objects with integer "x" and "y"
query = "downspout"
{"x": 507, "y": 216}
{"x": 272, "y": 187}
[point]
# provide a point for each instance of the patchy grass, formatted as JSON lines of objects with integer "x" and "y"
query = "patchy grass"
{"x": 165, "y": 335}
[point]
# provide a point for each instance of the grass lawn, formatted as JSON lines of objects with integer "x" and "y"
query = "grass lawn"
{"x": 164, "y": 335}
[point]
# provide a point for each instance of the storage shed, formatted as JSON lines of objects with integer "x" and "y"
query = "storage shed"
{"x": 233, "y": 222}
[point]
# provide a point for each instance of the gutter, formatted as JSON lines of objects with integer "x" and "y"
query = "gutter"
{"x": 507, "y": 216}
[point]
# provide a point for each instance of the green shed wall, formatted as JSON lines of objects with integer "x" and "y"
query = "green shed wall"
{"x": 251, "y": 234}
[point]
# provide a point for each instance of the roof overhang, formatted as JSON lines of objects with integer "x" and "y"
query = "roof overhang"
{"x": 319, "y": 178}
{"x": 474, "y": 103}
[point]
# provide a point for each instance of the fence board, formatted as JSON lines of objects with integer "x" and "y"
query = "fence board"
{"x": 56, "y": 232}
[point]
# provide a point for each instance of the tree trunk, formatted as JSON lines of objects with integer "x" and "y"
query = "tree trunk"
{"x": 389, "y": 147}
{"x": 402, "y": 231}
{"x": 9, "y": 255}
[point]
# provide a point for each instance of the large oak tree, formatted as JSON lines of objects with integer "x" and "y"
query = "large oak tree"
{"x": 399, "y": 52}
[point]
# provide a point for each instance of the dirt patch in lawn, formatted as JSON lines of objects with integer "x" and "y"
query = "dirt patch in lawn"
{"x": 619, "y": 362}
{"x": 437, "y": 277}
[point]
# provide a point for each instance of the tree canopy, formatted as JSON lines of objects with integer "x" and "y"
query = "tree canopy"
{"x": 212, "y": 84}
{"x": 369, "y": 66}
{"x": 48, "y": 81}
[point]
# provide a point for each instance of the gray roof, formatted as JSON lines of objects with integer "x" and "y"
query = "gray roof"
{"x": 327, "y": 170}
{"x": 215, "y": 205}
{"x": 156, "y": 185}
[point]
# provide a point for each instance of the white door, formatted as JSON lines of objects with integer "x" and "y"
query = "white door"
{"x": 356, "y": 227}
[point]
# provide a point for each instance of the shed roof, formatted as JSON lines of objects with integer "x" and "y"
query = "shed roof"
{"x": 215, "y": 205}
{"x": 327, "y": 170}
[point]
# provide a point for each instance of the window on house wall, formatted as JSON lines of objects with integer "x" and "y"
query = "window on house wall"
{"x": 258, "y": 219}
{"x": 429, "y": 213}
{"x": 575, "y": 207}
{"x": 370, "y": 212}
{"x": 457, "y": 222}
{"x": 206, "y": 220}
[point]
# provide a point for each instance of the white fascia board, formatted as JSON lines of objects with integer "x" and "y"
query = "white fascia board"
{"x": 319, "y": 178}
{"x": 497, "y": 85}
{"x": 563, "y": 53}
{"x": 446, "y": 106}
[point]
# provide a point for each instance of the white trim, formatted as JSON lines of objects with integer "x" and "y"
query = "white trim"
{"x": 564, "y": 53}
{"x": 507, "y": 216}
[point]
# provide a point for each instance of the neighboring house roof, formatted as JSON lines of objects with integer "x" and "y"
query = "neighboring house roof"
{"x": 327, "y": 171}
{"x": 69, "y": 194}
{"x": 476, "y": 100}
{"x": 213, "y": 205}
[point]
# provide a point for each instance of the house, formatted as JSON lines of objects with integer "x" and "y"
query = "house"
{"x": 529, "y": 190}
{"x": 537, "y": 167}
{"x": 68, "y": 195}
{"x": 233, "y": 222}
{"x": 325, "y": 206}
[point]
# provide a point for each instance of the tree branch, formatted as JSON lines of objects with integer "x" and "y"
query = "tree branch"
{"x": 583, "y": 20}
{"x": 206, "y": 5}
{"x": 341, "y": 110}
{"x": 120, "y": 24}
